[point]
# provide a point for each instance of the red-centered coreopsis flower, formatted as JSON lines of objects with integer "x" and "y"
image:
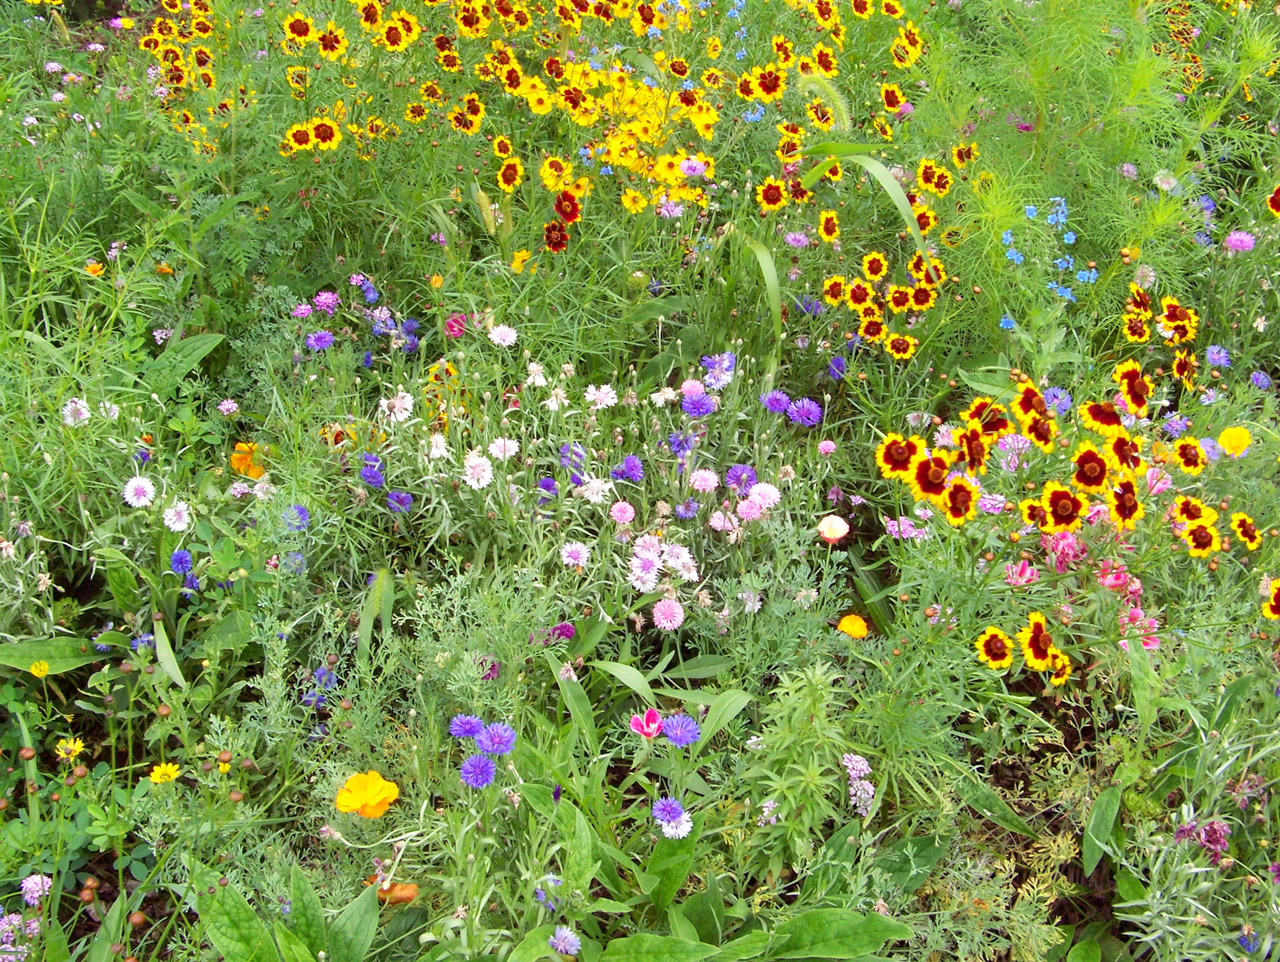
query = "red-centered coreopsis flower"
{"x": 990, "y": 415}
{"x": 1037, "y": 642}
{"x": 928, "y": 476}
{"x": 895, "y": 454}
{"x": 1246, "y": 530}
{"x": 1123, "y": 505}
{"x": 555, "y": 236}
{"x": 971, "y": 446}
{"x": 1063, "y": 508}
{"x": 1090, "y": 468}
{"x": 995, "y": 648}
{"x": 1102, "y": 417}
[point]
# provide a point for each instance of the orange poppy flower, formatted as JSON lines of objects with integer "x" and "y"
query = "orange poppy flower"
{"x": 242, "y": 460}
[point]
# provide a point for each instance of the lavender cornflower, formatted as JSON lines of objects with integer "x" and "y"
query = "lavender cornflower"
{"x": 1217, "y": 356}
{"x": 796, "y": 238}
{"x": 836, "y": 368}
{"x": 465, "y": 726}
{"x": 544, "y": 897}
{"x": 564, "y": 941}
{"x": 740, "y": 478}
{"x": 320, "y": 340}
{"x": 478, "y": 771}
{"x": 1058, "y": 399}
{"x": 147, "y": 641}
{"x": 399, "y": 501}
{"x": 1175, "y": 425}
{"x": 805, "y": 411}
{"x": 719, "y": 369}
{"x": 681, "y": 730}
{"x": 228, "y": 407}
{"x": 631, "y": 469}
{"x": 327, "y": 301}
{"x": 325, "y": 677}
{"x": 1261, "y": 380}
{"x": 180, "y": 562}
{"x": 686, "y": 509}
{"x": 496, "y": 739}
{"x": 775, "y": 402}
{"x": 296, "y": 517}
{"x": 667, "y": 810}
{"x": 371, "y": 473}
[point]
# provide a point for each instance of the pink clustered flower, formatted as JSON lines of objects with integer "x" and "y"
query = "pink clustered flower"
{"x": 1020, "y": 575}
{"x": 456, "y": 325}
{"x": 826, "y": 448}
{"x": 861, "y": 792}
{"x": 1137, "y": 621}
{"x": 904, "y": 528}
{"x": 1066, "y": 549}
{"x": 622, "y": 512}
{"x": 668, "y": 615}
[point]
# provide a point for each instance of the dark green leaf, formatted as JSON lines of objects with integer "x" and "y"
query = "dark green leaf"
{"x": 306, "y": 917}
{"x": 837, "y": 934}
{"x": 1101, "y": 818}
{"x": 353, "y": 930}
{"x": 656, "y": 948}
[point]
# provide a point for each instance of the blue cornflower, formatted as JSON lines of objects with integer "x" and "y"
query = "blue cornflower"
{"x": 550, "y": 490}
{"x": 719, "y": 369}
{"x": 368, "y": 359}
{"x": 572, "y": 455}
{"x": 143, "y": 641}
{"x": 1209, "y": 397}
{"x": 740, "y": 478}
{"x": 775, "y": 402}
{"x": 1014, "y": 255}
{"x": 190, "y": 585}
{"x": 399, "y": 501}
{"x": 1058, "y": 399}
{"x": 294, "y": 563}
{"x": 1006, "y": 323}
{"x": 320, "y": 340}
{"x": 1069, "y": 237}
{"x": 1031, "y": 211}
{"x": 1212, "y": 449}
{"x": 805, "y": 411}
{"x": 1217, "y": 356}
{"x": 465, "y": 726}
{"x": 1261, "y": 380}
{"x": 1248, "y": 942}
{"x": 686, "y": 509}
{"x": 681, "y": 730}
{"x": 667, "y": 810}
{"x": 314, "y": 699}
{"x": 1204, "y": 238}
{"x": 478, "y": 772}
{"x": 370, "y": 292}
{"x": 409, "y": 326}
{"x": 836, "y": 368}
{"x": 631, "y": 469}
{"x": 1207, "y": 205}
{"x": 371, "y": 474}
{"x": 606, "y": 170}
{"x": 680, "y": 443}
{"x": 544, "y": 898}
{"x": 810, "y": 305}
{"x": 296, "y": 517}
{"x": 180, "y": 562}
{"x": 325, "y": 677}
{"x": 698, "y": 405}
{"x": 410, "y": 344}
{"x": 1007, "y": 238}
{"x": 496, "y": 739}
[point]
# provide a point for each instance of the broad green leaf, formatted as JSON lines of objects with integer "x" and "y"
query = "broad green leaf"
{"x": 705, "y": 910}
{"x": 579, "y": 706}
{"x": 108, "y": 933}
{"x": 353, "y": 930}
{"x": 629, "y": 676}
{"x": 909, "y": 861}
{"x": 1085, "y": 952}
{"x": 534, "y": 945}
{"x": 306, "y": 917}
{"x": 837, "y": 934}
{"x": 377, "y": 604}
{"x": 178, "y": 360}
{"x": 60, "y": 654}
{"x": 681, "y": 927}
{"x": 233, "y": 926}
{"x": 670, "y": 864}
{"x": 751, "y": 946}
{"x": 1129, "y": 888}
{"x": 1101, "y": 818}
{"x": 983, "y": 798}
{"x": 656, "y": 948}
{"x": 289, "y": 946}
{"x": 231, "y": 633}
{"x": 164, "y": 655}
{"x": 56, "y": 948}
{"x": 123, "y": 585}
{"x": 773, "y": 294}
{"x": 724, "y": 708}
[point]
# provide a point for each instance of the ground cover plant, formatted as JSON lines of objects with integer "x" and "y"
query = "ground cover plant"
{"x": 706, "y": 479}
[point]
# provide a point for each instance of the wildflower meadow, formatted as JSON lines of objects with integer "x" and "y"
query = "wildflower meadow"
{"x": 640, "y": 480}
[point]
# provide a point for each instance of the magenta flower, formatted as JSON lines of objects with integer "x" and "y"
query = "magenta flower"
{"x": 649, "y": 725}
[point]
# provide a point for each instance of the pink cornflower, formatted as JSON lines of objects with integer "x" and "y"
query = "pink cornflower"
{"x": 668, "y": 614}
{"x": 826, "y": 448}
{"x": 704, "y": 481}
{"x": 622, "y": 512}
{"x": 766, "y": 495}
{"x": 692, "y": 386}
{"x": 1238, "y": 242}
{"x": 749, "y": 510}
{"x": 722, "y": 521}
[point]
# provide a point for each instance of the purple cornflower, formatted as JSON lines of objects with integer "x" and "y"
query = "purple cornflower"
{"x": 666, "y": 810}
{"x": 296, "y": 517}
{"x": 564, "y": 941}
{"x": 811, "y": 306}
{"x": 564, "y": 631}
{"x": 314, "y": 699}
{"x": 796, "y": 238}
{"x": 320, "y": 340}
{"x": 1261, "y": 380}
{"x": 836, "y": 368}
{"x": 631, "y": 469}
{"x": 325, "y": 677}
{"x": 740, "y": 478}
{"x": 680, "y": 443}
{"x": 681, "y": 730}
{"x": 371, "y": 473}
{"x": 370, "y": 292}
{"x": 143, "y": 641}
{"x": 478, "y": 772}
{"x": 698, "y": 405}
{"x": 775, "y": 402}
{"x": 465, "y": 726}
{"x": 805, "y": 411}
{"x": 550, "y": 490}
{"x": 686, "y": 509}
{"x": 327, "y": 301}
{"x": 544, "y": 898}
{"x": 180, "y": 562}
{"x": 399, "y": 501}
{"x": 496, "y": 739}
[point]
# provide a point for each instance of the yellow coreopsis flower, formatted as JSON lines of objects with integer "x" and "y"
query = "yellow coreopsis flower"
{"x": 68, "y": 749}
{"x": 164, "y": 772}
{"x": 367, "y": 794}
{"x": 39, "y": 668}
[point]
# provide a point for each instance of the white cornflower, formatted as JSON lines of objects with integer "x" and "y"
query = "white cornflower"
{"x": 477, "y": 471}
{"x": 398, "y": 408}
{"x": 139, "y": 491}
{"x": 177, "y": 517}
{"x": 439, "y": 447}
{"x": 504, "y": 335}
{"x": 536, "y": 376}
{"x": 504, "y": 448}
{"x": 75, "y": 412}
{"x": 575, "y": 554}
{"x": 661, "y": 399}
{"x": 680, "y": 828}
{"x": 557, "y": 399}
{"x": 603, "y": 396}
{"x": 108, "y": 410}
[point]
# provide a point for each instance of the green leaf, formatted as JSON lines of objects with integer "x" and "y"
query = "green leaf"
{"x": 668, "y": 867}
{"x": 656, "y": 948}
{"x": 724, "y": 708}
{"x": 289, "y": 946}
{"x": 179, "y": 360}
{"x": 534, "y": 945}
{"x": 353, "y": 930}
{"x": 983, "y": 798}
{"x": 108, "y": 933}
{"x": 1085, "y": 952}
{"x": 773, "y": 294}
{"x": 579, "y": 706}
{"x": 377, "y": 604}
{"x": 837, "y": 934}
{"x": 61, "y": 654}
{"x": 306, "y": 917}
{"x": 232, "y": 925}
{"x": 231, "y": 633}
{"x": 751, "y": 946}
{"x": 705, "y": 910}
{"x": 1129, "y": 887}
{"x": 165, "y": 656}
{"x": 681, "y": 927}
{"x": 629, "y": 676}
{"x": 1101, "y": 818}
{"x": 909, "y": 861}
{"x": 123, "y": 585}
